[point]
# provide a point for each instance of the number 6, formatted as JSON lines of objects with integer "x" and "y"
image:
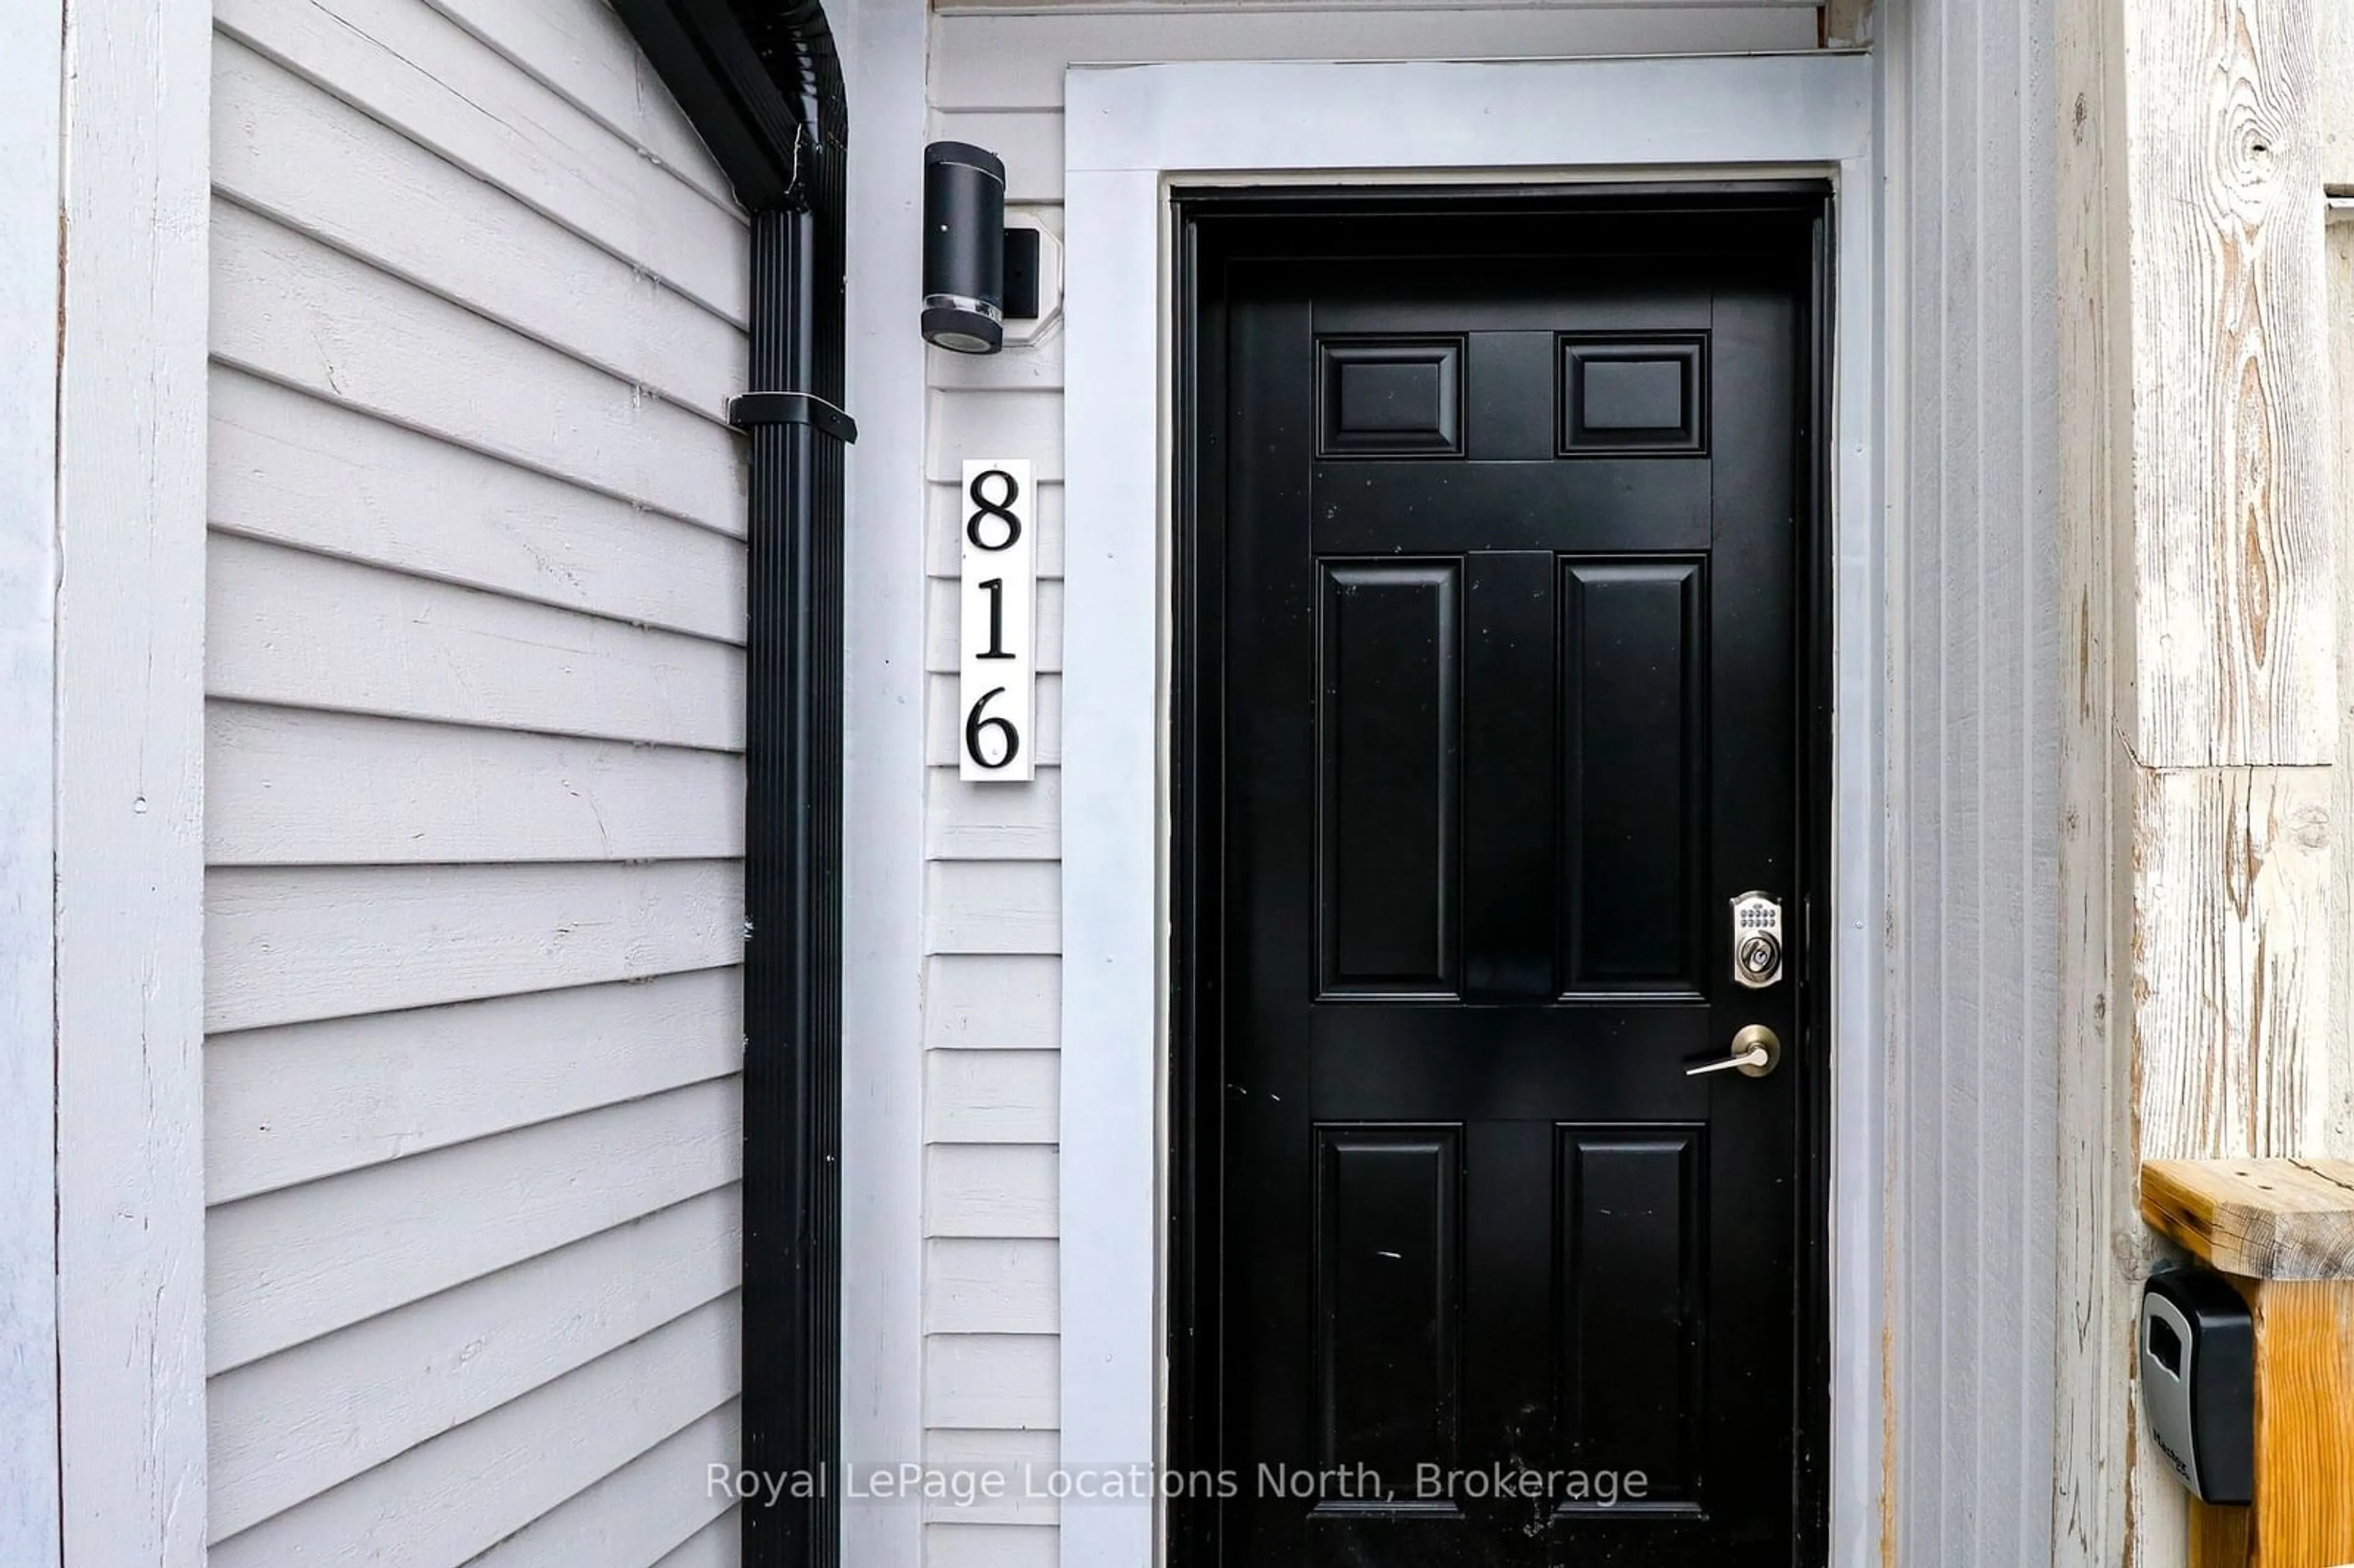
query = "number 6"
{"x": 974, "y": 724}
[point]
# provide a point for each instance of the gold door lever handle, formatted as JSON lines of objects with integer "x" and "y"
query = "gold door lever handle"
{"x": 1757, "y": 1051}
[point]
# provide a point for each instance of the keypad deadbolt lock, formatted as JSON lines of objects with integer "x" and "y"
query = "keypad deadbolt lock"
{"x": 1757, "y": 940}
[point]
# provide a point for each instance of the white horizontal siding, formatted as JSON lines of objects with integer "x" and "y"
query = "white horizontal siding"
{"x": 641, "y": 1511}
{"x": 457, "y": 1494}
{"x": 404, "y": 1376}
{"x": 328, "y": 941}
{"x": 408, "y": 65}
{"x": 474, "y": 811}
{"x": 712, "y": 1546}
{"x": 305, "y": 471}
{"x": 1026, "y": 1460}
{"x": 294, "y": 1103}
{"x": 992, "y": 920}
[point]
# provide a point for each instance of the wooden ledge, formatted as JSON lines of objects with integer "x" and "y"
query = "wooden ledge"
{"x": 2260, "y": 1219}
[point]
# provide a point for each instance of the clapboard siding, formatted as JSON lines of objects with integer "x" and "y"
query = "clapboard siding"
{"x": 994, "y": 422}
{"x": 433, "y": 1507}
{"x": 291, "y": 1105}
{"x": 405, "y": 63}
{"x": 289, "y": 1265}
{"x": 643, "y": 1509}
{"x": 474, "y": 807}
{"x": 406, "y": 1377}
{"x": 296, "y": 786}
{"x": 991, "y": 1026}
{"x": 296, "y": 311}
{"x": 990, "y": 1190}
{"x": 989, "y": 1287}
{"x": 285, "y": 621}
{"x": 992, "y": 1004}
{"x": 1025, "y": 1460}
{"x": 317, "y": 164}
{"x": 972, "y": 1545}
{"x": 993, "y": 907}
{"x": 289, "y": 946}
{"x": 989, "y": 821}
{"x": 990, "y": 1096}
{"x": 584, "y": 55}
{"x": 712, "y": 1546}
{"x": 991, "y": 1381}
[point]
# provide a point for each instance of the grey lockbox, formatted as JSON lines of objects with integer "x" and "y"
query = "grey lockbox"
{"x": 2198, "y": 1382}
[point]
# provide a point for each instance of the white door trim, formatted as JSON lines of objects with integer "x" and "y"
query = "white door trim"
{"x": 1130, "y": 131}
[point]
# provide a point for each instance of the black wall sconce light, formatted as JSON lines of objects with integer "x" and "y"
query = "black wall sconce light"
{"x": 978, "y": 273}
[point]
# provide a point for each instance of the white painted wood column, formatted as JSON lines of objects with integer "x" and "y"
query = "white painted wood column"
{"x": 31, "y": 61}
{"x": 129, "y": 802}
{"x": 882, "y": 44}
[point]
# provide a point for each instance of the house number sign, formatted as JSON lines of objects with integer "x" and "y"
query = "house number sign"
{"x": 997, "y": 669}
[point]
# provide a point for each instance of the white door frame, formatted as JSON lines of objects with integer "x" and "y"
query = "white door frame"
{"x": 1132, "y": 132}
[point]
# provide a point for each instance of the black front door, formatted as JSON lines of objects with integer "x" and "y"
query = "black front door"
{"x": 1499, "y": 700}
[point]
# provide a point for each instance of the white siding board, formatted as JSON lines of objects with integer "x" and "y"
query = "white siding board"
{"x": 297, "y": 630}
{"x": 717, "y": 1545}
{"x": 992, "y": 906}
{"x": 1013, "y": 61}
{"x": 1029, "y": 140}
{"x": 944, "y": 528}
{"x": 311, "y": 162}
{"x": 291, "y": 787}
{"x": 995, "y": 424}
{"x": 286, "y": 946}
{"x": 949, "y": 1544}
{"x": 300, "y": 470}
{"x": 991, "y": 1190}
{"x": 976, "y": 1286}
{"x": 445, "y": 1500}
{"x": 990, "y": 1096}
{"x": 293, "y": 1424}
{"x": 584, "y": 53}
{"x": 296, "y": 311}
{"x": 288, "y": 1266}
{"x": 978, "y": 821}
{"x": 416, "y": 70}
{"x": 976, "y": 1003}
{"x": 1035, "y": 367}
{"x": 291, "y": 1105}
{"x": 1025, "y": 1460}
{"x": 990, "y": 1381}
{"x": 639, "y": 1513}
{"x": 940, "y": 721}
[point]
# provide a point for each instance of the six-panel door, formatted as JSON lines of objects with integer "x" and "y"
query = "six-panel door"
{"x": 1507, "y": 585}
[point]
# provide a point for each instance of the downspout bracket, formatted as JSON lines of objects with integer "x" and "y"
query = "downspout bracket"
{"x": 793, "y": 409}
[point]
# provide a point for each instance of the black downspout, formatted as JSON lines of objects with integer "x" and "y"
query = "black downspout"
{"x": 764, "y": 87}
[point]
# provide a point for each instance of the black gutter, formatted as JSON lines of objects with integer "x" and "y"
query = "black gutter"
{"x": 763, "y": 86}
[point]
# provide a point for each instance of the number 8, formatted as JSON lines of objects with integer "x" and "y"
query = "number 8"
{"x": 1000, "y": 509}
